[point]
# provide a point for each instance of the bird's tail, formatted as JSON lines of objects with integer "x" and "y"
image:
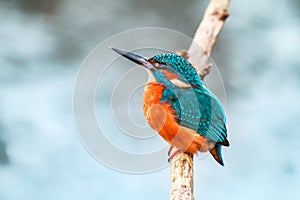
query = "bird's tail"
{"x": 216, "y": 152}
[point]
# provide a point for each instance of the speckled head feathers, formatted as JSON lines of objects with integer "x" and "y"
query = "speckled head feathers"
{"x": 179, "y": 65}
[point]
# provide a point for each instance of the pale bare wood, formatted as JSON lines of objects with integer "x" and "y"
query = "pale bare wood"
{"x": 207, "y": 35}
{"x": 182, "y": 173}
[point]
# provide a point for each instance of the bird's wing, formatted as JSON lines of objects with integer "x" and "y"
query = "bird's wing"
{"x": 199, "y": 110}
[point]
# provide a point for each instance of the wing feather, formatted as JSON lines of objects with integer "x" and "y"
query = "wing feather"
{"x": 199, "y": 110}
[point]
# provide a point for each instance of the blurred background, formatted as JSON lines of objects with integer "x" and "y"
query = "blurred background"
{"x": 43, "y": 43}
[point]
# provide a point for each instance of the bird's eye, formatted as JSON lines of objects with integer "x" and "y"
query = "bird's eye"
{"x": 157, "y": 65}
{"x": 160, "y": 66}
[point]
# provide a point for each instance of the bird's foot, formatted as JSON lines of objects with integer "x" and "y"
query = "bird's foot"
{"x": 170, "y": 150}
{"x": 174, "y": 154}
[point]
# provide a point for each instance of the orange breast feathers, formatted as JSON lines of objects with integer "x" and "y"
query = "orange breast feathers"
{"x": 161, "y": 118}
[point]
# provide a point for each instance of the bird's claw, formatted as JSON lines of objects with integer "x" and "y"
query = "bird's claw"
{"x": 174, "y": 154}
{"x": 170, "y": 150}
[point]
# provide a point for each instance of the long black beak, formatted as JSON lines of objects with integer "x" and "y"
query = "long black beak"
{"x": 140, "y": 60}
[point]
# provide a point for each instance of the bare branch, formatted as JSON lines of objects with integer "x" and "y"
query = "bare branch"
{"x": 198, "y": 55}
{"x": 182, "y": 174}
{"x": 207, "y": 34}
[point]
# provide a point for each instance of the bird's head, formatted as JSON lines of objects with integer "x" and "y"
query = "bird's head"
{"x": 166, "y": 68}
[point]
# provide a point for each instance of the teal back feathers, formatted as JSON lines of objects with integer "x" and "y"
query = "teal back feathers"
{"x": 195, "y": 107}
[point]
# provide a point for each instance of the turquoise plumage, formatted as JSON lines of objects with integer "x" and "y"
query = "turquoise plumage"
{"x": 195, "y": 107}
{"x": 187, "y": 108}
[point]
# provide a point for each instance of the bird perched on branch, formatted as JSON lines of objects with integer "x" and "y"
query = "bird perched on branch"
{"x": 179, "y": 107}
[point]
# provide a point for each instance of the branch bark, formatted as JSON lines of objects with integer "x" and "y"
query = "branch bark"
{"x": 182, "y": 174}
{"x": 198, "y": 55}
{"x": 207, "y": 34}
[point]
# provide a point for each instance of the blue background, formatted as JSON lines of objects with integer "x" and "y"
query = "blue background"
{"x": 43, "y": 43}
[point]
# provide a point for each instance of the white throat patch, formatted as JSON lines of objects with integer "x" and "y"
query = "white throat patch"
{"x": 180, "y": 83}
{"x": 151, "y": 77}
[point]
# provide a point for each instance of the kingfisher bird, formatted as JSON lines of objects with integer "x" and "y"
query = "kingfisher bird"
{"x": 179, "y": 107}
